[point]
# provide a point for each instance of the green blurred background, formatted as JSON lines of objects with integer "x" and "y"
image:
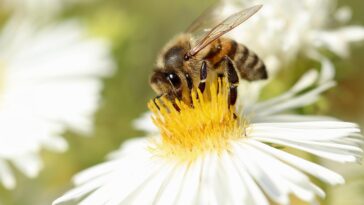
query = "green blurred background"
{"x": 138, "y": 30}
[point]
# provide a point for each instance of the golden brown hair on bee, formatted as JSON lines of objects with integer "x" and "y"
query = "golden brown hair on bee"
{"x": 249, "y": 65}
{"x": 191, "y": 61}
{"x": 173, "y": 74}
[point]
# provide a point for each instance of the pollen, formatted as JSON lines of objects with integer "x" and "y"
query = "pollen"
{"x": 206, "y": 125}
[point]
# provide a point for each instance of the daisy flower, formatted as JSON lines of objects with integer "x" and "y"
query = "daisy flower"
{"x": 282, "y": 29}
{"x": 37, "y": 8}
{"x": 208, "y": 154}
{"x": 48, "y": 81}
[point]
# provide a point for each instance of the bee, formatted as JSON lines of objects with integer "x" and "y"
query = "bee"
{"x": 200, "y": 55}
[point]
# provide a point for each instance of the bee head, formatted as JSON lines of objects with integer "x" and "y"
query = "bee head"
{"x": 170, "y": 76}
{"x": 166, "y": 82}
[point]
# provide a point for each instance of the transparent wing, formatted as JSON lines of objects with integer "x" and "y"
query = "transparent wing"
{"x": 209, "y": 35}
{"x": 208, "y": 19}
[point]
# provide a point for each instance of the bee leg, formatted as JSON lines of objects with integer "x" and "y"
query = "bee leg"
{"x": 158, "y": 97}
{"x": 155, "y": 99}
{"x": 233, "y": 80}
{"x": 203, "y": 76}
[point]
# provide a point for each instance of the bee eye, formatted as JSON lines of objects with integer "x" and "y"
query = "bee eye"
{"x": 174, "y": 79}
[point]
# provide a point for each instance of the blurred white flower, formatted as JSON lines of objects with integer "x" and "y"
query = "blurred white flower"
{"x": 37, "y": 8}
{"x": 207, "y": 155}
{"x": 282, "y": 29}
{"x": 48, "y": 81}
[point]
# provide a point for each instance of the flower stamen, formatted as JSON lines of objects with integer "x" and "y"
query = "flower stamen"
{"x": 207, "y": 125}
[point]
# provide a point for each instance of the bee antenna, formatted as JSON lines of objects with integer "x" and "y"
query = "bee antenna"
{"x": 174, "y": 89}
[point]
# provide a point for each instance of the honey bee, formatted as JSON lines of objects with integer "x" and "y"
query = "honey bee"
{"x": 200, "y": 55}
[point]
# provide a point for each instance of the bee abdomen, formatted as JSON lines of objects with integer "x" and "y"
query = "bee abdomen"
{"x": 220, "y": 48}
{"x": 249, "y": 65}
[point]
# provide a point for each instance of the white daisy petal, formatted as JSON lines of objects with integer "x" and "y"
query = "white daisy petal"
{"x": 353, "y": 33}
{"x": 327, "y": 71}
{"x": 354, "y": 140}
{"x": 145, "y": 123}
{"x": 148, "y": 192}
{"x": 236, "y": 189}
{"x": 291, "y": 99}
{"x": 343, "y": 14}
{"x": 316, "y": 170}
{"x": 82, "y": 190}
{"x": 134, "y": 178}
{"x": 42, "y": 9}
{"x": 206, "y": 193}
{"x": 318, "y": 151}
{"x": 92, "y": 173}
{"x": 296, "y": 102}
{"x": 162, "y": 184}
{"x": 335, "y": 152}
{"x": 189, "y": 189}
{"x": 302, "y": 193}
{"x": 271, "y": 186}
{"x": 219, "y": 185}
{"x": 323, "y": 131}
{"x": 298, "y": 183}
{"x": 131, "y": 148}
{"x": 29, "y": 164}
{"x": 307, "y": 80}
{"x": 48, "y": 82}
{"x": 93, "y": 178}
{"x": 6, "y": 176}
{"x": 169, "y": 194}
{"x": 56, "y": 143}
{"x": 338, "y": 40}
{"x": 292, "y": 118}
{"x": 257, "y": 195}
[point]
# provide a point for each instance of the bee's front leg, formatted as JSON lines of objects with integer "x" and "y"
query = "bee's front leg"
{"x": 155, "y": 99}
{"x": 233, "y": 80}
{"x": 203, "y": 76}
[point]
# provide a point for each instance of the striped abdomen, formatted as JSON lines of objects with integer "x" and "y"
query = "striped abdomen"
{"x": 249, "y": 65}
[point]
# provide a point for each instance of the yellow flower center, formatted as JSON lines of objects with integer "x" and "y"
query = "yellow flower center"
{"x": 188, "y": 131}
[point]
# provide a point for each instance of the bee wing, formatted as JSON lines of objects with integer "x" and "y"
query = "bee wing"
{"x": 209, "y": 35}
{"x": 208, "y": 19}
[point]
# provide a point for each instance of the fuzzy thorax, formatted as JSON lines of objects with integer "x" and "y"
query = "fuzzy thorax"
{"x": 206, "y": 126}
